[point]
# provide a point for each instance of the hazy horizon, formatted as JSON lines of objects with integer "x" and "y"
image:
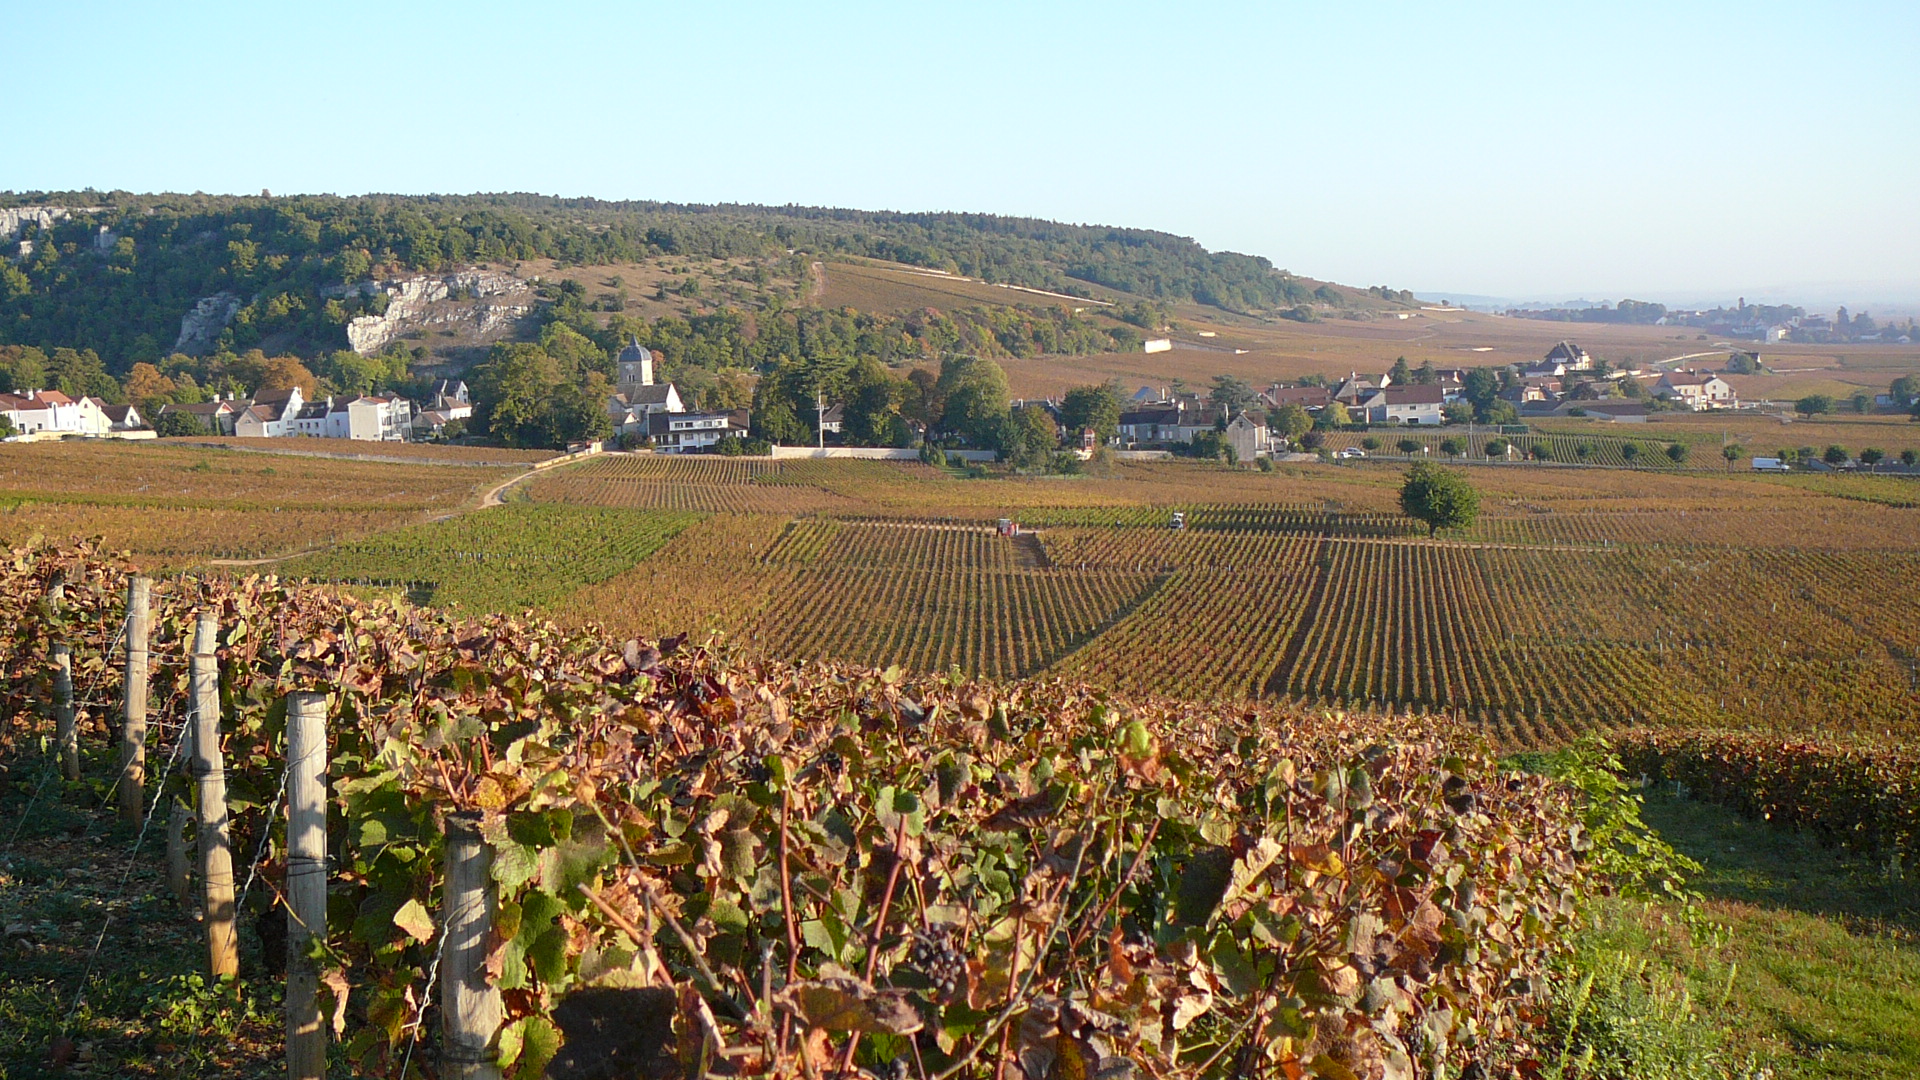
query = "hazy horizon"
{"x": 1664, "y": 152}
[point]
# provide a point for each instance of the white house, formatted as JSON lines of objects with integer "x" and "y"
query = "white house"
{"x": 119, "y": 417}
{"x": 691, "y": 432}
{"x": 369, "y": 417}
{"x": 1158, "y": 344}
{"x": 1569, "y": 357}
{"x": 266, "y": 417}
{"x": 1696, "y": 391}
{"x": 310, "y": 421}
{"x": 1413, "y": 404}
{"x": 33, "y": 411}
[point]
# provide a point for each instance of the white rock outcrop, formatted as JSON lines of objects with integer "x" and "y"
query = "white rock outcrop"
{"x": 200, "y": 327}
{"x": 489, "y": 301}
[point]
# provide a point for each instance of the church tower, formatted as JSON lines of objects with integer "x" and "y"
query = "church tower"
{"x": 636, "y": 366}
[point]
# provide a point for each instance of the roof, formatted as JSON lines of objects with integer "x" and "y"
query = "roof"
{"x": 203, "y": 408}
{"x": 656, "y": 394}
{"x": 275, "y": 397}
{"x": 834, "y": 414}
{"x": 120, "y": 414}
{"x": 449, "y": 386}
{"x": 312, "y": 410}
{"x": 1415, "y": 394}
{"x": 634, "y": 352}
{"x": 1566, "y": 350}
{"x": 1613, "y": 408}
{"x": 1164, "y": 415}
{"x": 1299, "y": 395}
{"x": 266, "y": 412}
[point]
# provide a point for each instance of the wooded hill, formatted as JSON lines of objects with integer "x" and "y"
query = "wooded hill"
{"x": 118, "y": 277}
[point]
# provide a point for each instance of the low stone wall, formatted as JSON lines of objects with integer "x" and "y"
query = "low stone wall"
{"x": 870, "y": 453}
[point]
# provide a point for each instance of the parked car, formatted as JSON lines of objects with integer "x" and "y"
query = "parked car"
{"x": 1352, "y": 452}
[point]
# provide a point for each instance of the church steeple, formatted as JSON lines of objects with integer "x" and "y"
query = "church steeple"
{"x": 636, "y": 365}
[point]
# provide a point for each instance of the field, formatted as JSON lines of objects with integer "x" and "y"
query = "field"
{"x": 177, "y": 506}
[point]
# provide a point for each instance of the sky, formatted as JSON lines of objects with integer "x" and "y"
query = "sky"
{"x": 1681, "y": 151}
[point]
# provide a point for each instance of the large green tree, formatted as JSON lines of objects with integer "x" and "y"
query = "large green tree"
{"x": 1092, "y": 408}
{"x": 975, "y": 394}
{"x": 1438, "y": 498}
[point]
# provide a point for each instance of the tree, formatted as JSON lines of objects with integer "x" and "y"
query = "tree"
{"x": 975, "y": 392}
{"x": 1401, "y": 374}
{"x": 147, "y": 388}
{"x": 1732, "y": 453}
{"x": 1370, "y": 443}
{"x": 1631, "y": 452}
{"x": 1332, "y": 418}
{"x": 1425, "y": 375}
{"x": 1835, "y": 455}
{"x": 177, "y": 423}
{"x": 872, "y": 409}
{"x": 1502, "y": 412}
{"x": 1031, "y": 438}
{"x": 1230, "y": 395}
{"x": 1904, "y": 391}
{"x": 1496, "y": 447}
{"x": 1457, "y": 412}
{"x": 1862, "y": 402}
{"x": 1814, "y": 405}
{"x": 1909, "y": 458}
{"x": 1677, "y": 452}
{"x": 1872, "y": 456}
{"x": 1409, "y": 446}
{"x": 1291, "y": 421}
{"x": 1092, "y": 408}
{"x": 1438, "y": 498}
{"x": 1541, "y": 452}
{"x": 1481, "y": 389}
{"x": 1453, "y": 447}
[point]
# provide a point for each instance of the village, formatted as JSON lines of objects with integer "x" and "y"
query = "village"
{"x": 648, "y": 413}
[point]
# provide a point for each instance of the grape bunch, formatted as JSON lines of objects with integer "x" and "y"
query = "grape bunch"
{"x": 937, "y": 954}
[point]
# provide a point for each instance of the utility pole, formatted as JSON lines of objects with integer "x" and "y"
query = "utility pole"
{"x": 819, "y": 418}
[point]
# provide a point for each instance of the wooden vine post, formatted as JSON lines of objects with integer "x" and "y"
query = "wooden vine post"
{"x": 306, "y": 881}
{"x": 469, "y": 1003}
{"x": 66, "y": 736}
{"x": 210, "y": 778}
{"x": 66, "y": 732}
{"x": 133, "y": 729}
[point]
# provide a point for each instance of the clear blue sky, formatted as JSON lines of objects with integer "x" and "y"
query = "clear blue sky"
{"x": 1534, "y": 150}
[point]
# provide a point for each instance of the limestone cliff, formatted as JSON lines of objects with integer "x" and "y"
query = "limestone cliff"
{"x": 15, "y": 218}
{"x": 200, "y": 327}
{"x": 482, "y": 302}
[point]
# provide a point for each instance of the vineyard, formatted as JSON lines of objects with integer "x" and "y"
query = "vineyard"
{"x": 1580, "y": 598}
{"x": 177, "y": 506}
{"x": 506, "y": 559}
{"x": 546, "y": 851}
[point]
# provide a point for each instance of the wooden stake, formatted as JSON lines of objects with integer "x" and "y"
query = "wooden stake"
{"x": 469, "y": 1003}
{"x": 65, "y": 731}
{"x": 133, "y": 732}
{"x": 306, "y": 881}
{"x": 210, "y": 776}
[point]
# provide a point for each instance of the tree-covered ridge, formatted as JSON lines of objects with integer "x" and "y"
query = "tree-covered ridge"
{"x": 118, "y": 279}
